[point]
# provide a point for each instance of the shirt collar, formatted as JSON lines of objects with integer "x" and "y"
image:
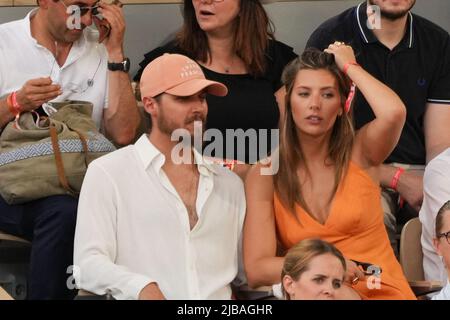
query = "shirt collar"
{"x": 26, "y": 22}
{"x": 78, "y": 47}
{"x": 205, "y": 166}
{"x": 151, "y": 156}
{"x": 369, "y": 37}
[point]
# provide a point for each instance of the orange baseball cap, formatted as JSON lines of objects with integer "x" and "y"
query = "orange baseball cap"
{"x": 177, "y": 75}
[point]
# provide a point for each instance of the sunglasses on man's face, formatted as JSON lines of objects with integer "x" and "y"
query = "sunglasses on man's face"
{"x": 83, "y": 9}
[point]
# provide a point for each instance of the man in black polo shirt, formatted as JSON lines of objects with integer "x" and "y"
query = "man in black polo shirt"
{"x": 412, "y": 56}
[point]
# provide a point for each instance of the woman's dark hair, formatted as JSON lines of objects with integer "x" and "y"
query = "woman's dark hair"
{"x": 253, "y": 31}
{"x": 291, "y": 154}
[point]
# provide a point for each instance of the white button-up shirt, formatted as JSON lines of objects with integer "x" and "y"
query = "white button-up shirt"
{"x": 84, "y": 75}
{"x": 436, "y": 188}
{"x": 133, "y": 228}
{"x": 444, "y": 294}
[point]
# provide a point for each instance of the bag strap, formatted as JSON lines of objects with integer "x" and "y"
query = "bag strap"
{"x": 59, "y": 163}
{"x": 84, "y": 145}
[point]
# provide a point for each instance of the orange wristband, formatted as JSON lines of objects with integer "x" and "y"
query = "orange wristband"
{"x": 396, "y": 177}
{"x": 10, "y": 105}
{"x": 15, "y": 103}
{"x": 14, "y": 107}
{"x": 348, "y": 64}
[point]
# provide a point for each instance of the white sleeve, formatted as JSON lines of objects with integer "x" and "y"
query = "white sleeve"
{"x": 3, "y": 92}
{"x": 95, "y": 244}
{"x": 106, "y": 103}
{"x": 444, "y": 294}
{"x": 241, "y": 278}
{"x": 436, "y": 187}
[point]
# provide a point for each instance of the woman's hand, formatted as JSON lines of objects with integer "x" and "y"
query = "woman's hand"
{"x": 353, "y": 273}
{"x": 343, "y": 54}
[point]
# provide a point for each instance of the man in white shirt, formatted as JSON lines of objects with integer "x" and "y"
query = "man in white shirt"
{"x": 51, "y": 56}
{"x": 436, "y": 189}
{"x": 442, "y": 245}
{"x": 149, "y": 228}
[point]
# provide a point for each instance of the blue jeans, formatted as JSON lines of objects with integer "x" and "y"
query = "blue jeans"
{"x": 49, "y": 223}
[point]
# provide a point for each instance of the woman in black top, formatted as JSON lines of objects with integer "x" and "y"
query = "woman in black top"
{"x": 233, "y": 42}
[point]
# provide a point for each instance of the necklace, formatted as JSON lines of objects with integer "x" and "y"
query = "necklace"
{"x": 55, "y": 58}
{"x": 71, "y": 86}
{"x": 227, "y": 69}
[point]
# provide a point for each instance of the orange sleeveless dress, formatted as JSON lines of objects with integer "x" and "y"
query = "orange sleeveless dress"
{"x": 355, "y": 226}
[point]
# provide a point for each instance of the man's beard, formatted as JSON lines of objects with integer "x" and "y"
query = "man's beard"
{"x": 392, "y": 16}
{"x": 166, "y": 126}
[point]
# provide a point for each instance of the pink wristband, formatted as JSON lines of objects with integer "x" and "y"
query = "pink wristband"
{"x": 351, "y": 95}
{"x": 396, "y": 177}
{"x": 348, "y": 64}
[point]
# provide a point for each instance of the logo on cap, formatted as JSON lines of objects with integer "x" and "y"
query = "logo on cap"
{"x": 190, "y": 69}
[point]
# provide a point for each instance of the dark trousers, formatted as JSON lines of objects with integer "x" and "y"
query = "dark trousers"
{"x": 49, "y": 224}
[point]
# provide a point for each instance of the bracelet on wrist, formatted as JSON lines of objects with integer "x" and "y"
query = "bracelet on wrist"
{"x": 13, "y": 106}
{"x": 15, "y": 103}
{"x": 396, "y": 178}
{"x": 348, "y": 64}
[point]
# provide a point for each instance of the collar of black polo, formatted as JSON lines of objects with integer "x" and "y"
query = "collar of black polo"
{"x": 367, "y": 34}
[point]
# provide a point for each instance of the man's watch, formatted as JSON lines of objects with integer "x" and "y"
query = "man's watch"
{"x": 120, "y": 66}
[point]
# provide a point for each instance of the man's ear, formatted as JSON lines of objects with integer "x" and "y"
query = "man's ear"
{"x": 150, "y": 106}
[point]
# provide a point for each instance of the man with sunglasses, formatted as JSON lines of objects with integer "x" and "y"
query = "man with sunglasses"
{"x": 51, "y": 56}
{"x": 436, "y": 191}
{"x": 442, "y": 245}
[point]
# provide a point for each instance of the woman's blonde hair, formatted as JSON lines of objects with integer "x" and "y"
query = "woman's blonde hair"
{"x": 440, "y": 217}
{"x": 291, "y": 155}
{"x": 299, "y": 256}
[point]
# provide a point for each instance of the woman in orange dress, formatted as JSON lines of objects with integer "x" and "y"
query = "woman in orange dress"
{"x": 327, "y": 184}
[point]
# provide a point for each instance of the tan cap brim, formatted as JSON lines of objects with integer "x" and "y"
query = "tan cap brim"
{"x": 193, "y": 86}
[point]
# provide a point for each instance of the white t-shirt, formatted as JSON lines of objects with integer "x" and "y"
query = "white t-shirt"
{"x": 133, "y": 228}
{"x": 436, "y": 188}
{"x": 83, "y": 76}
